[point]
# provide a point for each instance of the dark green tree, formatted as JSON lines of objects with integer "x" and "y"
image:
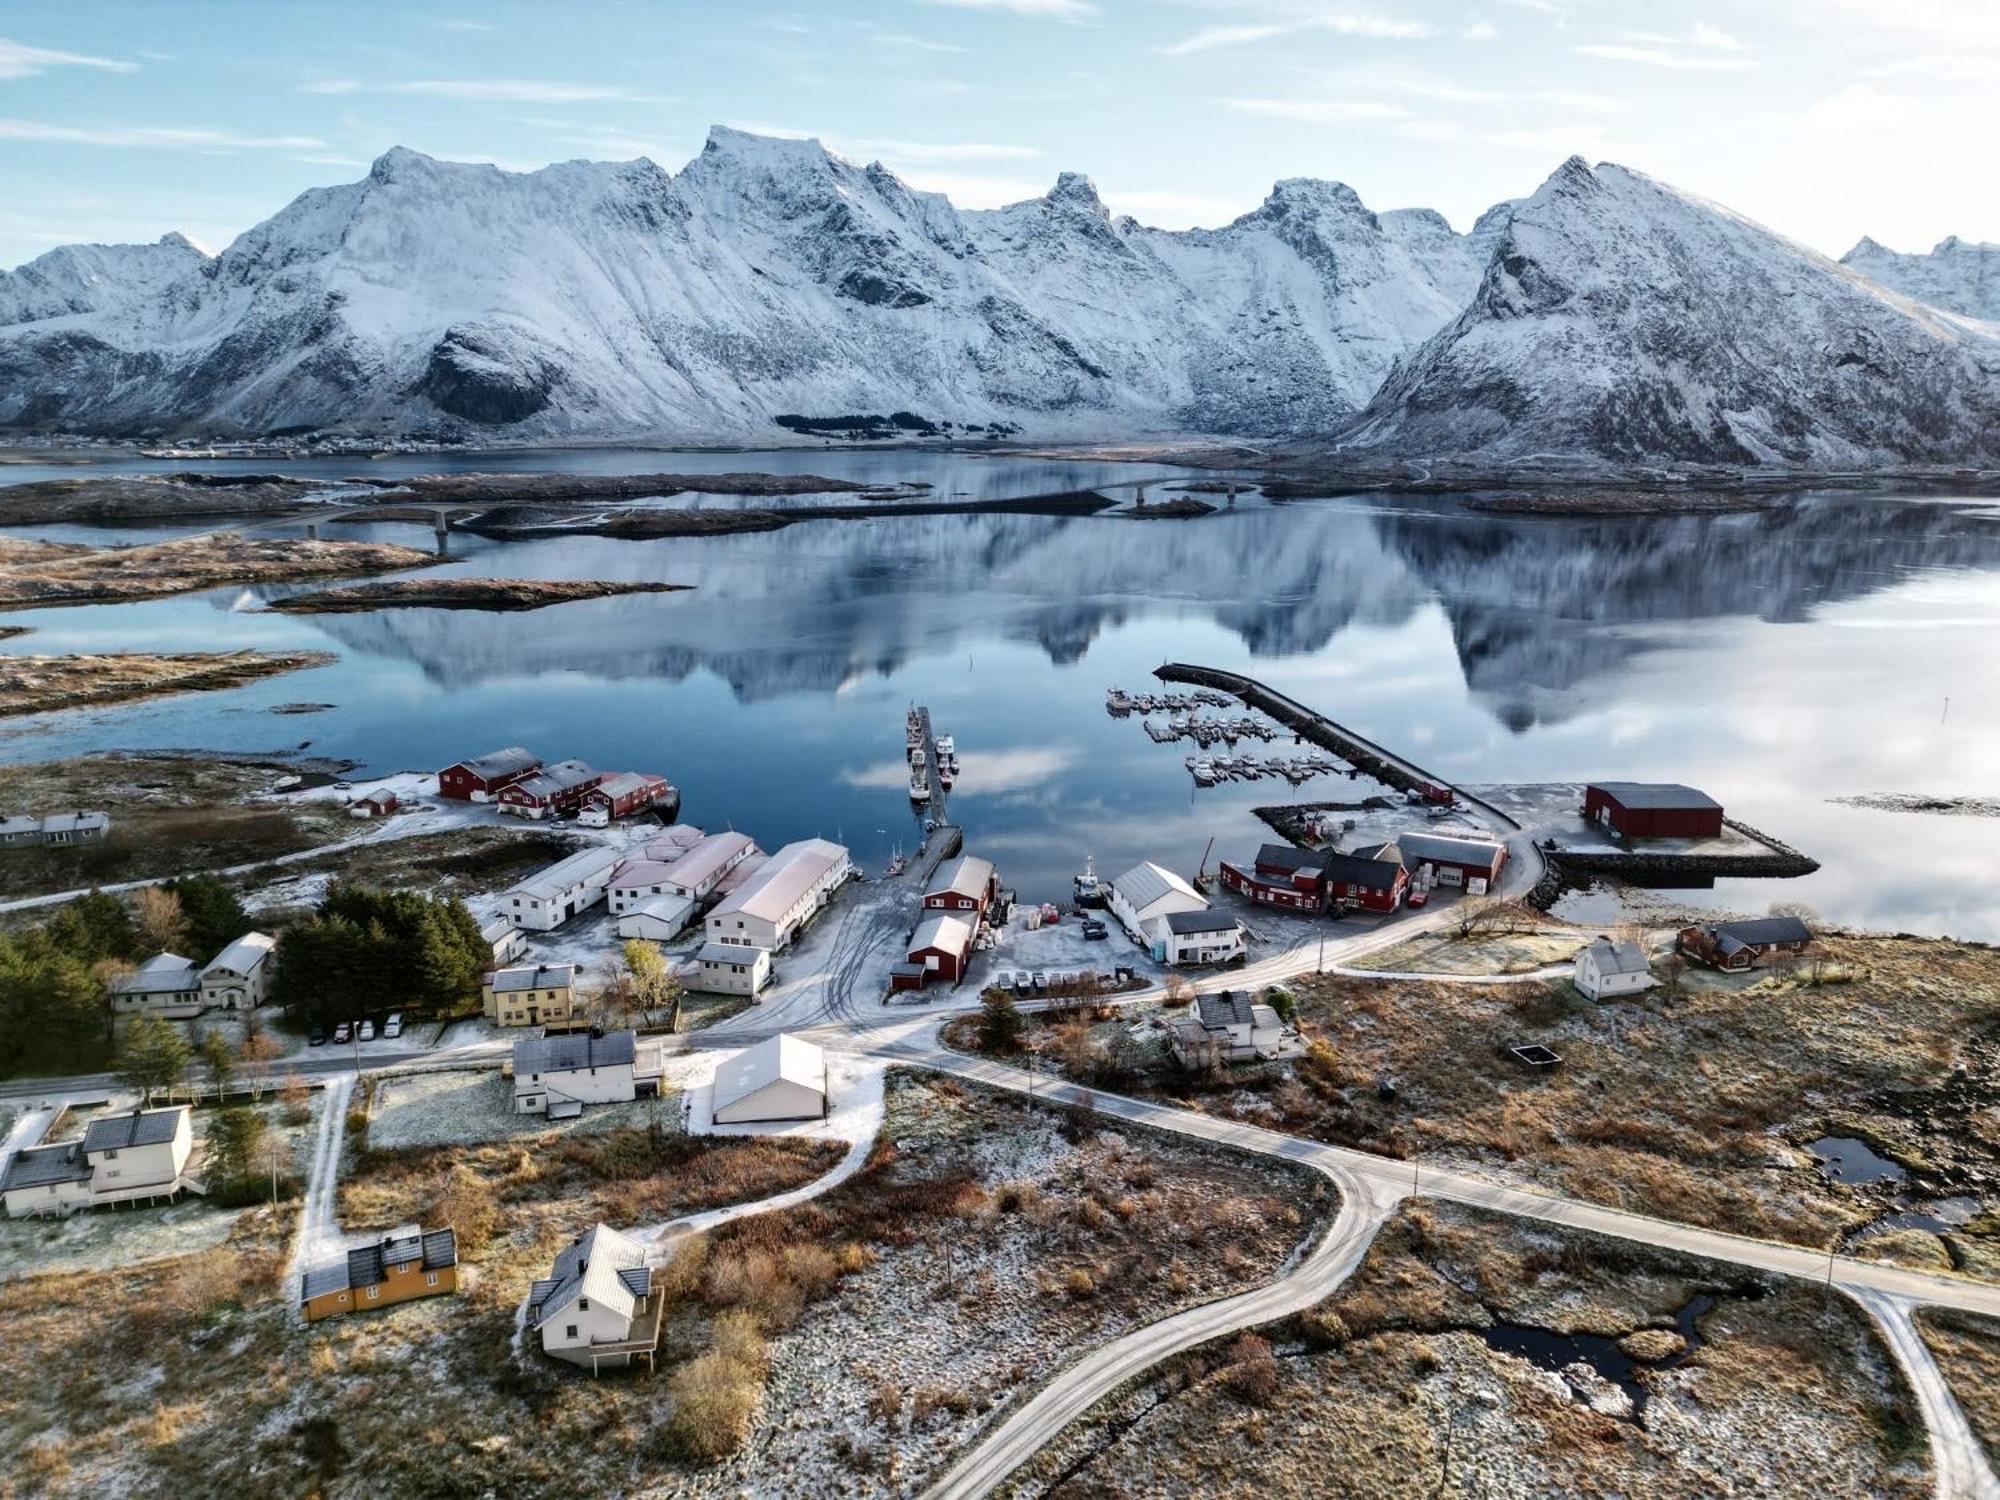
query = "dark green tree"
{"x": 215, "y": 918}
{"x": 94, "y": 926}
{"x": 1000, "y": 1022}
{"x": 155, "y": 1055}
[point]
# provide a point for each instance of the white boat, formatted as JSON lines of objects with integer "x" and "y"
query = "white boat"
{"x": 1087, "y": 888}
{"x": 920, "y": 785}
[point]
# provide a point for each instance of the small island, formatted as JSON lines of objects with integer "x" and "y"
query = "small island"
{"x": 461, "y": 593}
{"x": 39, "y": 684}
{"x": 48, "y": 573}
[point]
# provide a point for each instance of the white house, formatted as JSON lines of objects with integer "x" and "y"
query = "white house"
{"x": 546, "y": 900}
{"x": 658, "y": 919}
{"x": 238, "y": 976}
{"x": 134, "y": 1156}
{"x": 781, "y": 1078}
{"x": 1606, "y": 969}
{"x": 503, "y": 939}
{"x": 1229, "y": 1027}
{"x": 730, "y": 969}
{"x": 598, "y": 1308}
{"x": 1195, "y": 937}
{"x": 665, "y": 868}
{"x": 558, "y": 1075}
{"x": 164, "y": 985}
{"x": 1146, "y": 892}
{"x": 788, "y": 891}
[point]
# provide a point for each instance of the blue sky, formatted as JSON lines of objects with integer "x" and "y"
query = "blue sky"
{"x": 1826, "y": 119}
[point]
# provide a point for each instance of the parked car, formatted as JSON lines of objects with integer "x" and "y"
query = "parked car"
{"x": 393, "y": 1026}
{"x": 341, "y": 1033}
{"x": 367, "y": 1031}
{"x": 318, "y": 1037}
{"x": 1095, "y": 931}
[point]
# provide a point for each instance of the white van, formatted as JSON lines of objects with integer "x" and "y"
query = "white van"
{"x": 393, "y": 1026}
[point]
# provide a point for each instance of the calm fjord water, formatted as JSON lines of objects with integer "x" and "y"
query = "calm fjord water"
{"x": 1776, "y": 659}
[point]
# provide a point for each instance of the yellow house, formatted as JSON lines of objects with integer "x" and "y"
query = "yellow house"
{"x": 408, "y": 1262}
{"x": 530, "y": 995}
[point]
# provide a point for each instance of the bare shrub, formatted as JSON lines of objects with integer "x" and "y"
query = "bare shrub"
{"x": 1252, "y": 1373}
{"x": 1079, "y": 1283}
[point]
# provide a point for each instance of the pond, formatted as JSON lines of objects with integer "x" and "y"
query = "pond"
{"x": 1837, "y": 646}
{"x": 1843, "y": 1159}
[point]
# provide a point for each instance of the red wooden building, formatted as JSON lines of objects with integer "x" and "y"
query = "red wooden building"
{"x": 1653, "y": 810}
{"x": 1299, "y": 890}
{"x": 619, "y": 794}
{"x": 967, "y": 886}
{"x": 481, "y": 778}
{"x": 1372, "y": 879}
{"x": 552, "y": 789}
{"x": 940, "y": 948}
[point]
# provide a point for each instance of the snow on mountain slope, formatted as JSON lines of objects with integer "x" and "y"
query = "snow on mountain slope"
{"x": 1957, "y": 275}
{"x": 93, "y": 278}
{"x": 1621, "y": 319}
{"x": 770, "y": 276}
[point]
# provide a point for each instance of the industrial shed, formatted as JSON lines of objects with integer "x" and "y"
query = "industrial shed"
{"x": 1653, "y": 810}
{"x": 781, "y": 1078}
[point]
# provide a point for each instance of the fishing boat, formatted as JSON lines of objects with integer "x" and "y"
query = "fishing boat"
{"x": 1087, "y": 888}
{"x": 1116, "y": 701}
{"x": 920, "y": 783}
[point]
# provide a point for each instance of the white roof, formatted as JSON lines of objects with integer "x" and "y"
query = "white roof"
{"x": 495, "y": 928}
{"x": 591, "y": 1268}
{"x": 943, "y": 931}
{"x": 619, "y": 783}
{"x": 243, "y": 955}
{"x": 637, "y": 870}
{"x": 785, "y": 877}
{"x": 699, "y": 865}
{"x": 670, "y": 844}
{"x": 576, "y": 869}
{"x": 968, "y": 875}
{"x": 58, "y": 822}
{"x": 782, "y": 1058}
{"x": 731, "y": 953}
{"x": 667, "y": 909}
{"x": 1146, "y": 883}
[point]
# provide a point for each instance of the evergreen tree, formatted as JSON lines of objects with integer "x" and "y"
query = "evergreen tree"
{"x": 155, "y": 1055}
{"x": 215, "y": 918}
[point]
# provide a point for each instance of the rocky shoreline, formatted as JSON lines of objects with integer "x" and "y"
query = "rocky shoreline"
{"x": 110, "y": 575}
{"x": 41, "y": 684}
{"x": 497, "y": 594}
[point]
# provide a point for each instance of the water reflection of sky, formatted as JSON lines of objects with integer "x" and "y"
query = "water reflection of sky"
{"x": 1776, "y": 661}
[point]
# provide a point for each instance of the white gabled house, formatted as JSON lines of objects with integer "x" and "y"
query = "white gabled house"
{"x": 558, "y": 1075}
{"x": 164, "y": 985}
{"x": 1606, "y": 969}
{"x": 238, "y": 976}
{"x": 1195, "y": 937}
{"x": 135, "y": 1156}
{"x": 598, "y": 1308}
{"x": 729, "y": 969}
{"x": 1230, "y": 1027}
{"x": 788, "y": 891}
{"x": 1147, "y": 892}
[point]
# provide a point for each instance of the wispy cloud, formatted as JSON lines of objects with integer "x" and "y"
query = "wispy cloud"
{"x": 1317, "y": 111}
{"x": 1666, "y": 57}
{"x": 19, "y": 60}
{"x": 944, "y": 151}
{"x": 1481, "y": 31}
{"x": 489, "y": 90}
{"x": 1381, "y": 28}
{"x": 904, "y": 42}
{"x": 1053, "y": 10}
{"x": 164, "y": 137}
{"x": 462, "y": 25}
{"x": 1859, "y": 106}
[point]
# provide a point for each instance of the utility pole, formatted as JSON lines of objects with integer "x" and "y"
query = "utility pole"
{"x": 1322, "y": 953}
{"x": 274, "y": 1174}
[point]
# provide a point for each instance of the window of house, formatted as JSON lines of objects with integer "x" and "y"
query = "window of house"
{"x": 431, "y": 1279}
{"x": 570, "y": 1331}
{"x": 374, "y": 1292}
{"x": 583, "y": 1304}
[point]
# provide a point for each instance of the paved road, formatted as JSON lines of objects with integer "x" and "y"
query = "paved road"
{"x": 1961, "y": 1465}
{"x": 1957, "y": 1459}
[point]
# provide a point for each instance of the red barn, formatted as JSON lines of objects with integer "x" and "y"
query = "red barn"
{"x": 1653, "y": 810}
{"x": 1454, "y": 859}
{"x": 1373, "y": 879}
{"x": 966, "y": 885}
{"x": 942, "y": 946}
{"x": 556, "y": 788}
{"x": 481, "y": 778}
{"x": 619, "y": 794}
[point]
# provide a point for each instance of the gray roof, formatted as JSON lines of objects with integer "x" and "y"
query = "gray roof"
{"x": 244, "y": 955}
{"x": 595, "y": 1265}
{"x": 729, "y": 953}
{"x": 1655, "y": 794}
{"x": 319, "y": 1280}
{"x": 36, "y": 1166}
{"x": 551, "y": 780}
{"x": 1285, "y": 857}
{"x": 1619, "y": 958}
{"x": 968, "y": 875}
{"x": 138, "y": 1127}
{"x": 1757, "y": 932}
{"x": 1419, "y": 847}
{"x": 1230, "y": 1008}
{"x": 573, "y": 1053}
{"x": 162, "y": 974}
{"x": 1362, "y": 870}
{"x": 1146, "y": 883}
{"x": 501, "y": 762}
{"x": 367, "y": 1265}
{"x": 534, "y": 977}
{"x": 1200, "y": 921}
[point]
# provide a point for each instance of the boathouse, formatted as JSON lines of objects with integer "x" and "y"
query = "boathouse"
{"x": 1454, "y": 859}
{"x": 1367, "y": 879}
{"x": 553, "y": 789}
{"x": 620, "y": 794}
{"x": 481, "y": 778}
{"x": 1293, "y": 879}
{"x": 1653, "y": 810}
{"x": 941, "y": 947}
{"x": 967, "y": 886}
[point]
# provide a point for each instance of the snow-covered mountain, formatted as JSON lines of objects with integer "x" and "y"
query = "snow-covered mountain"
{"x": 1622, "y": 319}
{"x": 1958, "y": 275}
{"x": 1607, "y": 316}
{"x": 769, "y": 277}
